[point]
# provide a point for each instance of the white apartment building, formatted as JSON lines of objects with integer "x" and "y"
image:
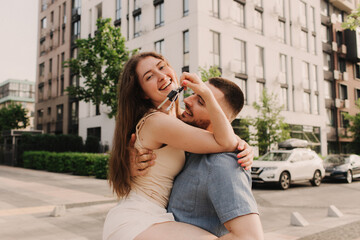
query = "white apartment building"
{"x": 272, "y": 44}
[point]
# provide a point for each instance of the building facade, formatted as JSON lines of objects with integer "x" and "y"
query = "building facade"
{"x": 341, "y": 71}
{"x": 276, "y": 45}
{"x": 19, "y": 92}
{"x": 53, "y": 105}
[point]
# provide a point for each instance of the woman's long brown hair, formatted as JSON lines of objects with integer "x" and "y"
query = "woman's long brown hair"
{"x": 132, "y": 106}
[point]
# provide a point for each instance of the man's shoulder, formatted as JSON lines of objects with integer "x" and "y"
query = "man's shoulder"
{"x": 224, "y": 159}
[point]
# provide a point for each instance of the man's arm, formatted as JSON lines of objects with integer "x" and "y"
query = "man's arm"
{"x": 247, "y": 227}
{"x": 140, "y": 159}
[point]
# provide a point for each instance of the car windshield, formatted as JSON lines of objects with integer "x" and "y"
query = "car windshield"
{"x": 337, "y": 159}
{"x": 275, "y": 156}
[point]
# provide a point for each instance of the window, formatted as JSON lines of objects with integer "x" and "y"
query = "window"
{"x": 242, "y": 83}
{"x": 95, "y": 132}
{"x": 280, "y": 7}
{"x": 303, "y": 15}
{"x": 343, "y": 92}
{"x": 238, "y": 12}
{"x": 312, "y": 44}
{"x": 305, "y": 75}
{"x": 316, "y": 104}
{"x": 185, "y": 7}
{"x": 344, "y": 123}
{"x": 215, "y": 51}
{"x": 41, "y": 92}
{"x": 357, "y": 94}
{"x": 159, "y": 46}
{"x": 306, "y": 102}
{"x": 312, "y": 20}
{"x": 339, "y": 38}
{"x": 259, "y": 90}
{"x": 281, "y": 31}
{"x": 314, "y": 79}
{"x": 52, "y": 17}
{"x": 214, "y": 11}
{"x": 40, "y": 114}
{"x": 303, "y": 41}
{"x": 325, "y": 34}
{"x": 324, "y": 8}
{"x": 284, "y": 97}
{"x": 328, "y": 90}
{"x": 330, "y": 116}
{"x": 259, "y": 62}
{"x": 76, "y": 6}
{"x": 283, "y": 69}
{"x": 137, "y": 31}
{"x": 186, "y": 48}
{"x": 74, "y": 112}
{"x": 159, "y": 15}
{"x": 99, "y": 11}
{"x": 118, "y": 10}
{"x": 326, "y": 61}
{"x": 50, "y": 65}
{"x": 59, "y": 112}
{"x": 41, "y": 69}
{"x": 43, "y": 23}
{"x": 49, "y": 111}
{"x": 357, "y": 71}
{"x": 258, "y": 22}
{"x": 137, "y": 4}
{"x": 64, "y": 13}
{"x": 76, "y": 30}
{"x": 342, "y": 65}
{"x": 49, "y": 88}
{"x": 239, "y": 64}
{"x": 62, "y": 62}
{"x": 43, "y": 5}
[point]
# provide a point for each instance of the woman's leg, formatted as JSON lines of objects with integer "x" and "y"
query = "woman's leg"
{"x": 174, "y": 231}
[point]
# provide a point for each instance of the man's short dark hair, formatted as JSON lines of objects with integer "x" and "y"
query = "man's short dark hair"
{"x": 232, "y": 93}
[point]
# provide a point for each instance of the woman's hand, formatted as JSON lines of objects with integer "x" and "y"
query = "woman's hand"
{"x": 193, "y": 81}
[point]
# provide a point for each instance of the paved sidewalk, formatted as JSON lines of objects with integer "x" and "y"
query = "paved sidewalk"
{"x": 27, "y": 198}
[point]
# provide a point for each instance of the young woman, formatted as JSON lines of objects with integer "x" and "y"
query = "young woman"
{"x": 141, "y": 213}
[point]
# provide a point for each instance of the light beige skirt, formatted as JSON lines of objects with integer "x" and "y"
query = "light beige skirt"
{"x": 131, "y": 216}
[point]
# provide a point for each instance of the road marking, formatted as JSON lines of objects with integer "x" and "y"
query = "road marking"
{"x": 28, "y": 210}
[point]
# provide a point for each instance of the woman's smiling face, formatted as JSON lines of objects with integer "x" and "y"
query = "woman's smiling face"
{"x": 156, "y": 78}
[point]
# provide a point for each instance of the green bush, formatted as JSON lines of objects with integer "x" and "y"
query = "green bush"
{"x": 101, "y": 166}
{"x": 84, "y": 164}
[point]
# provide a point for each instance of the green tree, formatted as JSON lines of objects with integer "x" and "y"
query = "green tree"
{"x": 14, "y": 116}
{"x": 212, "y": 72}
{"x": 354, "y": 128}
{"x": 269, "y": 123}
{"x": 99, "y": 62}
{"x": 352, "y": 21}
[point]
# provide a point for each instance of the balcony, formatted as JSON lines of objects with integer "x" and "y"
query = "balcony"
{"x": 344, "y": 5}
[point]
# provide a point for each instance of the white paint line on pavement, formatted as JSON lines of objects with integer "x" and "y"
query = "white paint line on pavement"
{"x": 28, "y": 210}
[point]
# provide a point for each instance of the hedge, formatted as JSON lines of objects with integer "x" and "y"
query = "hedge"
{"x": 83, "y": 164}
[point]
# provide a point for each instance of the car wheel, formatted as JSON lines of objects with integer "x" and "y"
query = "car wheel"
{"x": 349, "y": 176}
{"x": 316, "y": 180}
{"x": 284, "y": 180}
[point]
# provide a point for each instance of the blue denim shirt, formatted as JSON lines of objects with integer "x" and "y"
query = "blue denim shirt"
{"x": 211, "y": 190}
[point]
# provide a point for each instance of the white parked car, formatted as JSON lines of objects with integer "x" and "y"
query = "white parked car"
{"x": 287, "y": 166}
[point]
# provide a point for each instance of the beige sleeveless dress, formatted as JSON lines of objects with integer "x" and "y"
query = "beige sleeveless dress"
{"x": 147, "y": 201}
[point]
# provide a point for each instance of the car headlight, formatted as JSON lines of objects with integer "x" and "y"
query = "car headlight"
{"x": 269, "y": 168}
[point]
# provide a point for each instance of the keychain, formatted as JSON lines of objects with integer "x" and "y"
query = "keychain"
{"x": 172, "y": 96}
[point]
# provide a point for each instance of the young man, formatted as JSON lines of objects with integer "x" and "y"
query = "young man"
{"x": 213, "y": 192}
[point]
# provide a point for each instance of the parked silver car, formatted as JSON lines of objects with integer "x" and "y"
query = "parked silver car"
{"x": 287, "y": 166}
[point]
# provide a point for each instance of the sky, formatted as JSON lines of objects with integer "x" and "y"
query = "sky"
{"x": 18, "y": 34}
